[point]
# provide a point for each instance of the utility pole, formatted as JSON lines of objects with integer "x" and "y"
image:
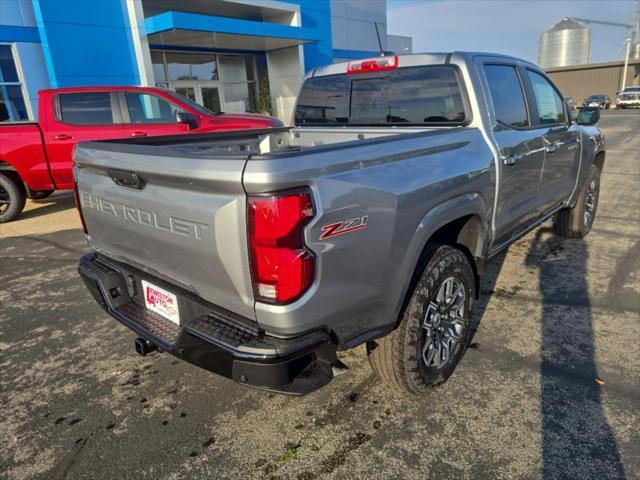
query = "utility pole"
{"x": 626, "y": 63}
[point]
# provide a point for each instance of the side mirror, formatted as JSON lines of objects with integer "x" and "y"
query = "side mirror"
{"x": 188, "y": 118}
{"x": 588, "y": 115}
{"x": 569, "y": 110}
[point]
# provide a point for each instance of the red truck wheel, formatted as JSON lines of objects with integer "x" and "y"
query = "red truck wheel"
{"x": 12, "y": 198}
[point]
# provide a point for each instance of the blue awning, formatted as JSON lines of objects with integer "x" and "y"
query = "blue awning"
{"x": 207, "y": 31}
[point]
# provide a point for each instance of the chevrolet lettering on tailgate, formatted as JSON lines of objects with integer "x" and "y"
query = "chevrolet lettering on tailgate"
{"x": 160, "y": 221}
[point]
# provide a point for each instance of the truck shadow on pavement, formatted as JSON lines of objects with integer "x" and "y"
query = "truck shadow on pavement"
{"x": 53, "y": 204}
{"x": 577, "y": 440}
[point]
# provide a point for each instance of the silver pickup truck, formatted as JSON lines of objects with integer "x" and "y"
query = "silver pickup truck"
{"x": 261, "y": 254}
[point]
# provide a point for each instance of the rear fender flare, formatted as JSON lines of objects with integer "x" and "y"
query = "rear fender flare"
{"x": 471, "y": 204}
{"x": 6, "y": 167}
{"x": 10, "y": 171}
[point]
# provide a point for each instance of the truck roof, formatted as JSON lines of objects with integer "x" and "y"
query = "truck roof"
{"x": 99, "y": 88}
{"x": 417, "y": 59}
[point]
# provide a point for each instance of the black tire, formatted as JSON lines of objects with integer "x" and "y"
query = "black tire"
{"x": 12, "y": 198}
{"x": 574, "y": 222}
{"x": 40, "y": 194}
{"x": 398, "y": 359}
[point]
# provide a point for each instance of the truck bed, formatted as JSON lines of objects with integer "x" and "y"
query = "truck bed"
{"x": 283, "y": 140}
{"x": 186, "y": 223}
{"x": 22, "y": 149}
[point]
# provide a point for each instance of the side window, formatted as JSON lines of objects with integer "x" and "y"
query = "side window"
{"x": 507, "y": 95}
{"x": 549, "y": 102}
{"x": 90, "y": 108}
{"x": 147, "y": 108}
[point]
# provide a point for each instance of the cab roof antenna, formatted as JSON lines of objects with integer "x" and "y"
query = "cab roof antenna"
{"x": 382, "y": 54}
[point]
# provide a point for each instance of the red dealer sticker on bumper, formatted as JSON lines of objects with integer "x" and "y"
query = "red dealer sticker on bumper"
{"x": 161, "y": 302}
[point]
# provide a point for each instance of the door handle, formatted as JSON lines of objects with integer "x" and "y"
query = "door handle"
{"x": 511, "y": 160}
{"x": 138, "y": 134}
{"x": 62, "y": 136}
{"x": 126, "y": 179}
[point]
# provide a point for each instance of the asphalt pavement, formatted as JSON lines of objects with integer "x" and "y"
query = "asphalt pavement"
{"x": 549, "y": 388}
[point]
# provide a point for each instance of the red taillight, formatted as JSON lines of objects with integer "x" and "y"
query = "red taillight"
{"x": 281, "y": 267}
{"x": 373, "y": 65}
{"x": 76, "y": 199}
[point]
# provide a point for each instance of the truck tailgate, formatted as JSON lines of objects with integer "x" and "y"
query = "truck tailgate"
{"x": 177, "y": 216}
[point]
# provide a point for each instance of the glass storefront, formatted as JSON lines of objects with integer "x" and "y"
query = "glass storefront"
{"x": 13, "y": 107}
{"x": 218, "y": 82}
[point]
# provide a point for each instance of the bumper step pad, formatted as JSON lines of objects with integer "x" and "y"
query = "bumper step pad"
{"x": 234, "y": 349}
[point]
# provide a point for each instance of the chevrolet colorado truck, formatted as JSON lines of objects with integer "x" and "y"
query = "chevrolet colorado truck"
{"x": 262, "y": 254}
{"x": 36, "y": 158}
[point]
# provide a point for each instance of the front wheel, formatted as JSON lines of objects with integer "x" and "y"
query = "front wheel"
{"x": 12, "y": 198}
{"x": 424, "y": 350}
{"x": 577, "y": 221}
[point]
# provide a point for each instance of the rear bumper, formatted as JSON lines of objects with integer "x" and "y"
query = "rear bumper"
{"x": 210, "y": 337}
{"x": 628, "y": 103}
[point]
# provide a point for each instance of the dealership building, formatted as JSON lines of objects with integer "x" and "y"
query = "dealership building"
{"x": 228, "y": 55}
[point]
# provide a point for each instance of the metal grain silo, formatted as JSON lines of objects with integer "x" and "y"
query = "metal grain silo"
{"x": 566, "y": 43}
{"x": 635, "y": 51}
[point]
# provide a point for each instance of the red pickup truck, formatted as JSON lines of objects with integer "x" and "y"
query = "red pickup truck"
{"x": 36, "y": 158}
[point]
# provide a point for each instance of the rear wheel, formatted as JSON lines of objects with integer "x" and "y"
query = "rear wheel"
{"x": 434, "y": 330}
{"x": 12, "y": 198}
{"x": 577, "y": 221}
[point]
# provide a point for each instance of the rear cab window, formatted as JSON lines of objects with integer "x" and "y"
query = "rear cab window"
{"x": 426, "y": 95}
{"x": 507, "y": 95}
{"x": 85, "y": 108}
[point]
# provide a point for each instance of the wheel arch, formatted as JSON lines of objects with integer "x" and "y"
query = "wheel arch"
{"x": 599, "y": 159}
{"x": 459, "y": 222}
{"x": 9, "y": 170}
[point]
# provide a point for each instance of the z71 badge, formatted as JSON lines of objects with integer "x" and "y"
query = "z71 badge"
{"x": 346, "y": 226}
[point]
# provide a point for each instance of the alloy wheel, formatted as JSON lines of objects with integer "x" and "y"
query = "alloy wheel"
{"x": 443, "y": 323}
{"x": 591, "y": 202}
{"x": 5, "y": 200}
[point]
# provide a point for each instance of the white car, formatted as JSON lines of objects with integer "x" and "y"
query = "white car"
{"x": 628, "y": 98}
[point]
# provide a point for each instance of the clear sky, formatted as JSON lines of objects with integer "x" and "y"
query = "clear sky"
{"x": 505, "y": 26}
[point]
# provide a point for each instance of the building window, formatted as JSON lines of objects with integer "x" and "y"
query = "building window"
{"x": 192, "y": 66}
{"x": 218, "y": 82}
{"x": 159, "y": 71}
{"x": 12, "y": 105}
